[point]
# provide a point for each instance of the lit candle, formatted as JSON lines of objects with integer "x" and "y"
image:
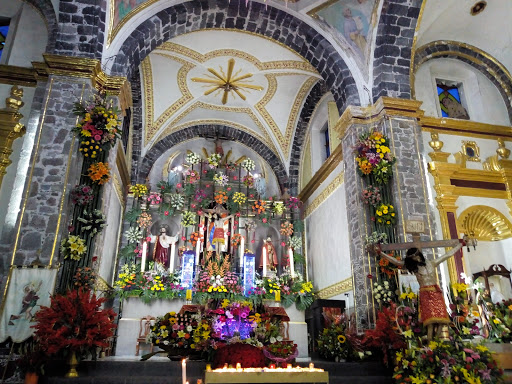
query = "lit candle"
{"x": 290, "y": 255}
{"x": 143, "y": 260}
{"x": 272, "y": 366}
{"x": 184, "y": 371}
{"x": 311, "y": 366}
{"x": 198, "y": 243}
{"x": 171, "y": 263}
{"x": 188, "y": 295}
{"x": 289, "y": 367}
{"x": 208, "y": 367}
{"x": 242, "y": 247}
{"x": 238, "y": 366}
{"x": 264, "y": 255}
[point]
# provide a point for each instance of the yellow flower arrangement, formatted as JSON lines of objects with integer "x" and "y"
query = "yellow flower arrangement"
{"x": 385, "y": 214}
{"x": 239, "y": 198}
{"x": 99, "y": 173}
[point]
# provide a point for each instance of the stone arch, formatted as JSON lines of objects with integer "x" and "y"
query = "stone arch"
{"x": 393, "y": 46}
{"x": 46, "y": 10}
{"x": 481, "y": 61}
{"x": 210, "y": 131}
{"x": 261, "y": 19}
{"x": 314, "y": 97}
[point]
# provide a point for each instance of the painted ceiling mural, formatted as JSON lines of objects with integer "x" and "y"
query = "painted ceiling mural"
{"x": 231, "y": 78}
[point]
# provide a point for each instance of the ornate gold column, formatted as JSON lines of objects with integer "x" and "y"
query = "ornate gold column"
{"x": 10, "y": 127}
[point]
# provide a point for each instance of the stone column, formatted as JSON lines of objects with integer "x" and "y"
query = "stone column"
{"x": 396, "y": 118}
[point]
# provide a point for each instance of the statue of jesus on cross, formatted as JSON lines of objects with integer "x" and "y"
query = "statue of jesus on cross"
{"x": 432, "y": 307}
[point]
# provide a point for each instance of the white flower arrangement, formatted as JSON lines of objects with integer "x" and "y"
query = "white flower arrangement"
{"x": 192, "y": 158}
{"x": 382, "y": 293}
{"x": 248, "y": 165}
{"x": 133, "y": 234}
{"x": 214, "y": 160}
{"x": 177, "y": 201}
{"x": 221, "y": 179}
{"x": 295, "y": 242}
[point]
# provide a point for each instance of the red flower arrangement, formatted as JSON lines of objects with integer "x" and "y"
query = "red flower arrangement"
{"x": 281, "y": 351}
{"x": 386, "y": 267}
{"x": 81, "y": 194}
{"x": 74, "y": 321}
{"x": 247, "y": 355}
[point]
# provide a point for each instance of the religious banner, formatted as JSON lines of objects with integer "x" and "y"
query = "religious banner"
{"x": 187, "y": 269}
{"x": 28, "y": 289}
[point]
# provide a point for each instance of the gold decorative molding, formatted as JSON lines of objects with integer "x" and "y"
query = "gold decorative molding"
{"x": 324, "y": 195}
{"x": 383, "y": 107}
{"x": 81, "y": 67}
{"x": 319, "y": 177}
{"x": 122, "y": 166}
{"x": 118, "y": 188}
{"x": 305, "y": 173}
{"x": 10, "y": 127}
{"x": 486, "y": 223}
{"x": 336, "y": 289}
{"x": 465, "y": 128}
{"x": 13, "y": 75}
{"x": 502, "y": 151}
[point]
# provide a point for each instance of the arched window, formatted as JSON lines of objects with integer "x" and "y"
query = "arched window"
{"x": 4, "y": 30}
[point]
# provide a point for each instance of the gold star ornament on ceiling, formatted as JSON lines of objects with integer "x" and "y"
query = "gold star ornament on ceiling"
{"x": 227, "y": 82}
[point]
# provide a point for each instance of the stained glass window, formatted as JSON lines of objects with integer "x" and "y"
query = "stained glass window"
{"x": 452, "y": 93}
{"x": 4, "y": 29}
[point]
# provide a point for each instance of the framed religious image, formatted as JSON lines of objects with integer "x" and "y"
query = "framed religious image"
{"x": 471, "y": 151}
{"x": 28, "y": 289}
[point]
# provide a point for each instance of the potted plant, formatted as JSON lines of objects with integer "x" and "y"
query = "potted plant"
{"x": 74, "y": 325}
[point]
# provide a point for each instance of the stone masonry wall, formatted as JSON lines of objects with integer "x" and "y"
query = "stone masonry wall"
{"x": 45, "y": 8}
{"x": 392, "y": 55}
{"x": 81, "y": 28}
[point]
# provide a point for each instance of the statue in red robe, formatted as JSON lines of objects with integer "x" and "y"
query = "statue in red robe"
{"x": 269, "y": 252}
{"x": 161, "y": 248}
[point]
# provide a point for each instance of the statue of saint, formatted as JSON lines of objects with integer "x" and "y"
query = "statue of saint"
{"x": 269, "y": 252}
{"x": 218, "y": 218}
{"x": 161, "y": 248}
{"x": 432, "y": 307}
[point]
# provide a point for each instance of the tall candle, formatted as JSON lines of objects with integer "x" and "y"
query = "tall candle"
{"x": 290, "y": 256}
{"x": 184, "y": 371}
{"x": 143, "y": 260}
{"x": 264, "y": 255}
{"x": 198, "y": 244}
{"x": 242, "y": 247}
{"x": 171, "y": 263}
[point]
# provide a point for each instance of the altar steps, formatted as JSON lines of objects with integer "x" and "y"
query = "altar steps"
{"x": 163, "y": 371}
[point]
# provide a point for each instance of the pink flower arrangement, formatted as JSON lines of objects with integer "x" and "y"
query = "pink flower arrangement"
{"x": 154, "y": 198}
{"x": 81, "y": 194}
{"x": 371, "y": 195}
{"x": 294, "y": 203}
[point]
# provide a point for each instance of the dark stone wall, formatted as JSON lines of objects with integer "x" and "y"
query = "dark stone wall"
{"x": 255, "y": 17}
{"x": 392, "y": 55}
{"x": 137, "y": 124}
{"x": 45, "y": 8}
{"x": 81, "y": 28}
{"x": 492, "y": 69}
{"x": 224, "y": 132}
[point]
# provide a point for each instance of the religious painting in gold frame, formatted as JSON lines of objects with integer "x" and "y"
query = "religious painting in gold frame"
{"x": 470, "y": 151}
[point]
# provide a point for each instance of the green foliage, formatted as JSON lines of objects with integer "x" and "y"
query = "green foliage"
{"x": 133, "y": 214}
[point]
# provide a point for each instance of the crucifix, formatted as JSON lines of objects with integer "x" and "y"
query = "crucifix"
{"x": 431, "y": 301}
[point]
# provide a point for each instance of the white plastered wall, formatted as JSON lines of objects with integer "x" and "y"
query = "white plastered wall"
{"x": 480, "y": 97}
{"x": 328, "y": 250}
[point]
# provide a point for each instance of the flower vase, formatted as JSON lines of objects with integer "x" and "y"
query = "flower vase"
{"x": 73, "y": 363}
{"x": 31, "y": 378}
{"x": 143, "y": 206}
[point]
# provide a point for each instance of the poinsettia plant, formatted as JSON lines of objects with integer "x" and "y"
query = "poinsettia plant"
{"x": 74, "y": 321}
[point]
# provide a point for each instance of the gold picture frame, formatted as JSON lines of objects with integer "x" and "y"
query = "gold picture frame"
{"x": 470, "y": 151}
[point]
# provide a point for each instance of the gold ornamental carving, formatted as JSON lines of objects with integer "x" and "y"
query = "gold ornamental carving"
{"x": 336, "y": 289}
{"x": 437, "y": 145}
{"x": 502, "y": 151}
{"x": 10, "y": 127}
{"x": 486, "y": 223}
{"x": 227, "y": 82}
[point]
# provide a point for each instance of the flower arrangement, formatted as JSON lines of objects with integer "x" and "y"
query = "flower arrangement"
{"x": 446, "y": 362}
{"x": 220, "y": 179}
{"x": 376, "y": 238}
{"x": 295, "y": 242}
{"x": 281, "y": 351}
{"x": 371, "y": 195}
{"x": 221, "y": 197}
{"x": 248, "y": 181}
{"x": 332, "y": 342}
{"x": 177, "y": 201}
{"x": 192, "y": 158}
{"x": 386, "y": 267}
{"x": 98, "y": 121}
{"x": 258, "y": 207}
{"x": 188, "y": 219}
{"x": 374, "y": 157}
{"x": 385, "y": 214}
{"x": 294, "y": 203}
{"x": 248, "y": 164}
{"x": 74, "y": 322}
{"x": 84, "y": 278}
{"x": 81, "y": 194}
{"x": 93, "y": 222}
{"x": 192, "y": 176}
{"x": 154, "y": 198}
{"x": 278, "y": 207}
{"x": 239, "y": 198}
{"x": 73, "y": 247}
{"x": 214, "y": 160}
{"x": 90, "y": 147}
{"x": 235, "y": 240}
{"x": 199, "y": 195}
{"x": 144, "y": 220}
{"x": 99, "y": 173}
{"x": 382, "y": 293}
{"x": 139, "y": 190}
{"x": 500, "y": 321}
{"x": 194, "y": 238}
{"x": 133, "y": 235}
{"x": 247, "y": 355}
{"x": 286, "y": 229}
{"x": 174, "y": 331}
